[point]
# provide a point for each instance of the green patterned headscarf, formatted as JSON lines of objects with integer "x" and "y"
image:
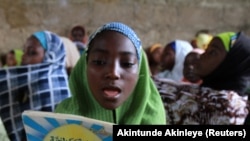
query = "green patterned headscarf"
{"x": 144, "y": 106}
{"x": 228, "y": 39}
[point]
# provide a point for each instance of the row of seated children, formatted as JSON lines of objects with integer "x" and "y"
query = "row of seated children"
{"x": 210, "y": 70}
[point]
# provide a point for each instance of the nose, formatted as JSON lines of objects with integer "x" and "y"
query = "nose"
{"x": 191, "y": 67}
{"x": 113, "y": 71}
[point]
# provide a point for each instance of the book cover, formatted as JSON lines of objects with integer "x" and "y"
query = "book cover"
{"x": 49, "y": 126}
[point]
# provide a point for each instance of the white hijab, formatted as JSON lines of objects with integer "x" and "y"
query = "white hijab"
{"x": 182, "y": 48}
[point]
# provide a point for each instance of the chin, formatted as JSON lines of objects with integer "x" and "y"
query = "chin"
{"x": 110, "y": 106}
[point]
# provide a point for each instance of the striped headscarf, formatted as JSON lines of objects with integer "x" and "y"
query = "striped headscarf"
{"x": 143, "y": 106}
{"x": 37, "y": 87}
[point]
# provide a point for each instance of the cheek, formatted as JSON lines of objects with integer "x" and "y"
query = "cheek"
{"x": 34, "y": 60}
{"x": 130, "y": 80}
{"x": 94, "y": 79}
{"x": 168, "y": 62}
{"x": 157, "y": 58}
{"x": 40, "y": 58}
{"x": 91, "y": 73}
{"x": 164, "y": 60}
{"x": 10, "y": 60}
{"x": 206, "y": 66}
{"x": 132, "y": 76}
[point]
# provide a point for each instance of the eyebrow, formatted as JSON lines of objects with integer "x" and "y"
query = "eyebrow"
{"x": 99, "y": 50}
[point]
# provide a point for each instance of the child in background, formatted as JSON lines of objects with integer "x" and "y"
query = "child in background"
{"x": 40, "y": 83}
{"x": 112, "y": 82}
{"x": 225, "y": 65}
{"x": 190, "y": 76}
{"x": 221, "y": 98}
{"x": 79, "y": 37}
{"x": 154, "y": 58}
{"x": 172, "y": 60}
{"x": 14, "y": 57}
{"x": 35, "y": 48}
{"x": 202, "y": 39}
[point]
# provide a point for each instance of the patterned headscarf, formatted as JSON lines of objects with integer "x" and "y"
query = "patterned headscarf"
{"x": 36, "y": 87}
{"x": 123, "y": 29}
{"x": 144, "y": 106}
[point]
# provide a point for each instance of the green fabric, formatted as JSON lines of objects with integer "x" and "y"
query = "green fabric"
{"x": 18, "y": 56}
{"x": 226, "y": 39}
{"x": 144, "y": 106}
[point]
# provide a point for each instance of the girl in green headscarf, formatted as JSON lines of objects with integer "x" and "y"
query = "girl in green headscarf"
{"x": 111, "y": 81}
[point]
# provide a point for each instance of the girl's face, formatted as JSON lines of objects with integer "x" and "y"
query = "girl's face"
{"x": 33, "y": 52}
{"x": 211, "y": 58}
{"x": 167, "y": 58}
{"x": 112, "y": 68}
{"x": 190, "y": 64}
{"x": 156, "y": 55}
{"x": 78, "y": 35}
{"x": 10, "y": 59}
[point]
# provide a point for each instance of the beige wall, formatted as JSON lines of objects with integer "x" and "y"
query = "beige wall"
{"x": 154, "y": 20}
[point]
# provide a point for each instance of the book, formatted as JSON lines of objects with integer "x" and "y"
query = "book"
{"x": 49, "y": 126}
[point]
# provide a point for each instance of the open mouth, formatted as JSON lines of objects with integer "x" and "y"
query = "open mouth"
{"x": 111, "y": 91}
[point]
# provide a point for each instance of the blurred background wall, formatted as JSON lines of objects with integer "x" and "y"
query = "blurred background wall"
{"x": 154, "y": 20}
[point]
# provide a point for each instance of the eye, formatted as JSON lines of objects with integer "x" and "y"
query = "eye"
{"x": 99, "y": 62}
{"x": 212, "y": 52}
{"x": 127, "y": 64}
{"x": 32, "y": 53}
